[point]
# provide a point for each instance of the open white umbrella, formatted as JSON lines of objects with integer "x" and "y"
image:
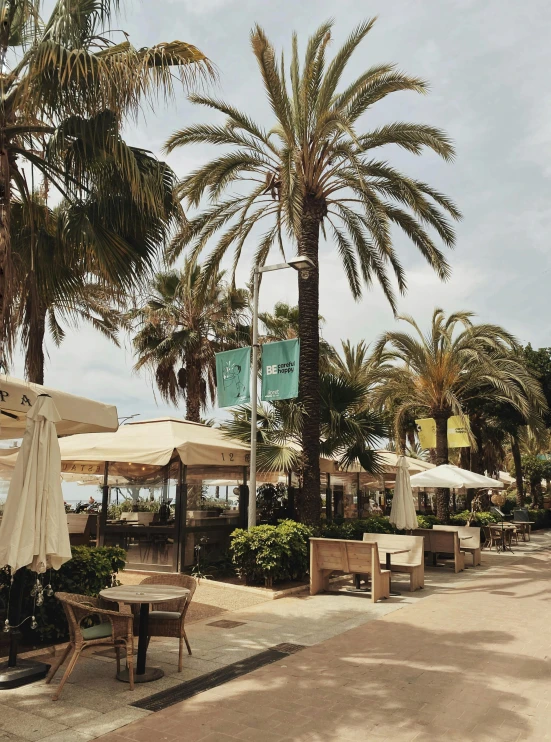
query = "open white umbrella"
{"x": 402, "y": 513}
{"x": 449, "y": 476}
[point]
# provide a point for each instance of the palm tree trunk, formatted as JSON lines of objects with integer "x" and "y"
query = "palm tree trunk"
{"x": 515, "y": 450}
{"x": 5, "y": 189}
{"x": 442, "y": 493}
{"x": 193, "y": 389}
{"x": 309, "y": 500}
{"x": 5, "y": 243}
{"x": 34, "y": 353}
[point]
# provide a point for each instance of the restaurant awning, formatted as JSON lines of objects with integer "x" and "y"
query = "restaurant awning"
{"x": 152, "y": 442}
{"x": 78, "y": 414}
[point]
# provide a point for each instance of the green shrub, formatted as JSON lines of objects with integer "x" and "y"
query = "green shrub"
{"x": 89, "y": 571}
{"x": 541, "y": 518}
{"x": 271, "y": 554}
{"x": 354, "y": 529}
{"x": 483, "y": 518}
{"x": 427, "y": 521}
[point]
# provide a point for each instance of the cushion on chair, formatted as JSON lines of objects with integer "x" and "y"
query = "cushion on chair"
{"x": 165, "y": 615}
{"x": 101, "y": 631}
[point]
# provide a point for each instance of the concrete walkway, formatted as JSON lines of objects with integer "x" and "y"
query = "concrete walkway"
{"x": 464, "y": 659}
{"x": 469, "y": 663}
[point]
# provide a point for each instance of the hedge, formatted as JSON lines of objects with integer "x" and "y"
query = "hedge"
{"x": 268, "y": 554}
{"x": 89, "y": 571}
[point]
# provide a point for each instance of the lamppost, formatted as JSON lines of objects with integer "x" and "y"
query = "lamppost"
{"x": 302, "y": 263}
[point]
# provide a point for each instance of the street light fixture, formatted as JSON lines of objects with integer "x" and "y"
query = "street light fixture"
{"x": 300, "y": 263}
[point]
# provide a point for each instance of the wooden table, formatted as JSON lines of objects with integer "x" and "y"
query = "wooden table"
{"x": 144, "y": 596}
{"x": 388, "y": 564}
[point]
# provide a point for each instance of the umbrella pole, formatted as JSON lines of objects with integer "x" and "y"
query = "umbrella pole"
{"x": 14, "y": 673}
{"x": 14, "y": 616}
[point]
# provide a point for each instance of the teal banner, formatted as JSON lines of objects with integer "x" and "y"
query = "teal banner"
{"x": 280, "y": 370}
{"x": 233, "y": 374}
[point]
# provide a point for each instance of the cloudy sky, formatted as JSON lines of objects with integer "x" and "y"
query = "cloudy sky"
{"x": 488, "y": 65}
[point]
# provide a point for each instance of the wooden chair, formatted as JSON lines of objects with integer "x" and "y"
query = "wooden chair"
{"x": 469, "y": 545}
{"x": 115, "y": 630}
{"x": 412, "y": 562}
{"x": 329, "y": 555}
{"x": 167, "y": 619}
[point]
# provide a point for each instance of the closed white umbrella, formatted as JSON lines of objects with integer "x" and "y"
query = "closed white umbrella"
{"x": 34, "y": 532}
{"x": 402, "y": 513}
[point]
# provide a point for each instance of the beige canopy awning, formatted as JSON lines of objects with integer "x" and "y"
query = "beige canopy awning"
{"x": 152, "y": 442}
{"x": 78, "y": 414}
{"x": 389, "y": 460}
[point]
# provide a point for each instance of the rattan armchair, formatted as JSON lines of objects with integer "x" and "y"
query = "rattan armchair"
{"x": 167, "y": 619}
{"x": 115, "y": 630}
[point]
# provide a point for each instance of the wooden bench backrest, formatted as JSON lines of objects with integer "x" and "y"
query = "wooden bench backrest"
{"x": 346, "y": 556}
{"x": 415, "y": 544}
{"x": 79, "y": 523}
{"x": 464, "y": 531}
{"x": 445, "y": 542}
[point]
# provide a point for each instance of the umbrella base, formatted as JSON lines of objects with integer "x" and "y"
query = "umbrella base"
{"x": 151, "y": 673}
{"x": 25, "y": 672}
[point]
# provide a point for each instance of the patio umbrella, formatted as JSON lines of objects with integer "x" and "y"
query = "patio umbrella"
{"x": 76, "y": 414}
{"x": 33, "y": 532}
{"x": 449, "y": 476}
{"x": 402, "y": 513}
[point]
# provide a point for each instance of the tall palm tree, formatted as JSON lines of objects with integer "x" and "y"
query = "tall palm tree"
{"x": 315, "y": 172}
{"x": 284, "y": 324}
{"x": 57, "y": 273}
{"x": 180, "y": 326}
{"x": 443, "y": 371}
{"x": 67, "y": 84}
{"x": 350, "y": 433}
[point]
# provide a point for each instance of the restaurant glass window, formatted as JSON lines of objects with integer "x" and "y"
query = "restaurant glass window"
{"x": 141, "y": 514}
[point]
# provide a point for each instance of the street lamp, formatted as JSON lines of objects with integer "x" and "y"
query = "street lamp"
{"x": 300, "y": 263}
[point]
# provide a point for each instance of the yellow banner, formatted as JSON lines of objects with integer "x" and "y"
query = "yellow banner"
{"x": 426, "y": 432}
{"x": 458, "y": 433}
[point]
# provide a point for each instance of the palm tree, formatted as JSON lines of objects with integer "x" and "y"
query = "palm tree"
{"x": 350, "y": 433}
{"x": 315, "y": 172}
{"x": 179, "y": 328}
{"x": 443, "y": 371}
{"x": 57, "y": 275}
{"x": 63, "y": 102}
{"x": 283, "y": 324}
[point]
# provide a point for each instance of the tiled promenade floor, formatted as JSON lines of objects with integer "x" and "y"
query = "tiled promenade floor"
{"x": 466, "y": 659}
{"x": 471, "y": 662}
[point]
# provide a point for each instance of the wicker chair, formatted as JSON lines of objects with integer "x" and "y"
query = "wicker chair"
{"x": 167, "y": 619}
{"x": 492, "y": 538}
{"x": 114, "y": 630}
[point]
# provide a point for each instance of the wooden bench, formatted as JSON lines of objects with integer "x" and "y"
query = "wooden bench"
{"x": 470, "y": 546}
{"x": 412, "y": 562}
{"x": 80, "y": 528}
{"x": 328, "y": 555}
{"x": 443, "y": 542}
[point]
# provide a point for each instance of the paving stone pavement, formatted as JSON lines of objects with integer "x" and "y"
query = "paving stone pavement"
{"x": 465, "y": 659}
{"x": 471, "y": 663}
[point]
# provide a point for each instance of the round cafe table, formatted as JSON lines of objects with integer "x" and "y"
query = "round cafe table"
{"x": 144, "y": 596}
